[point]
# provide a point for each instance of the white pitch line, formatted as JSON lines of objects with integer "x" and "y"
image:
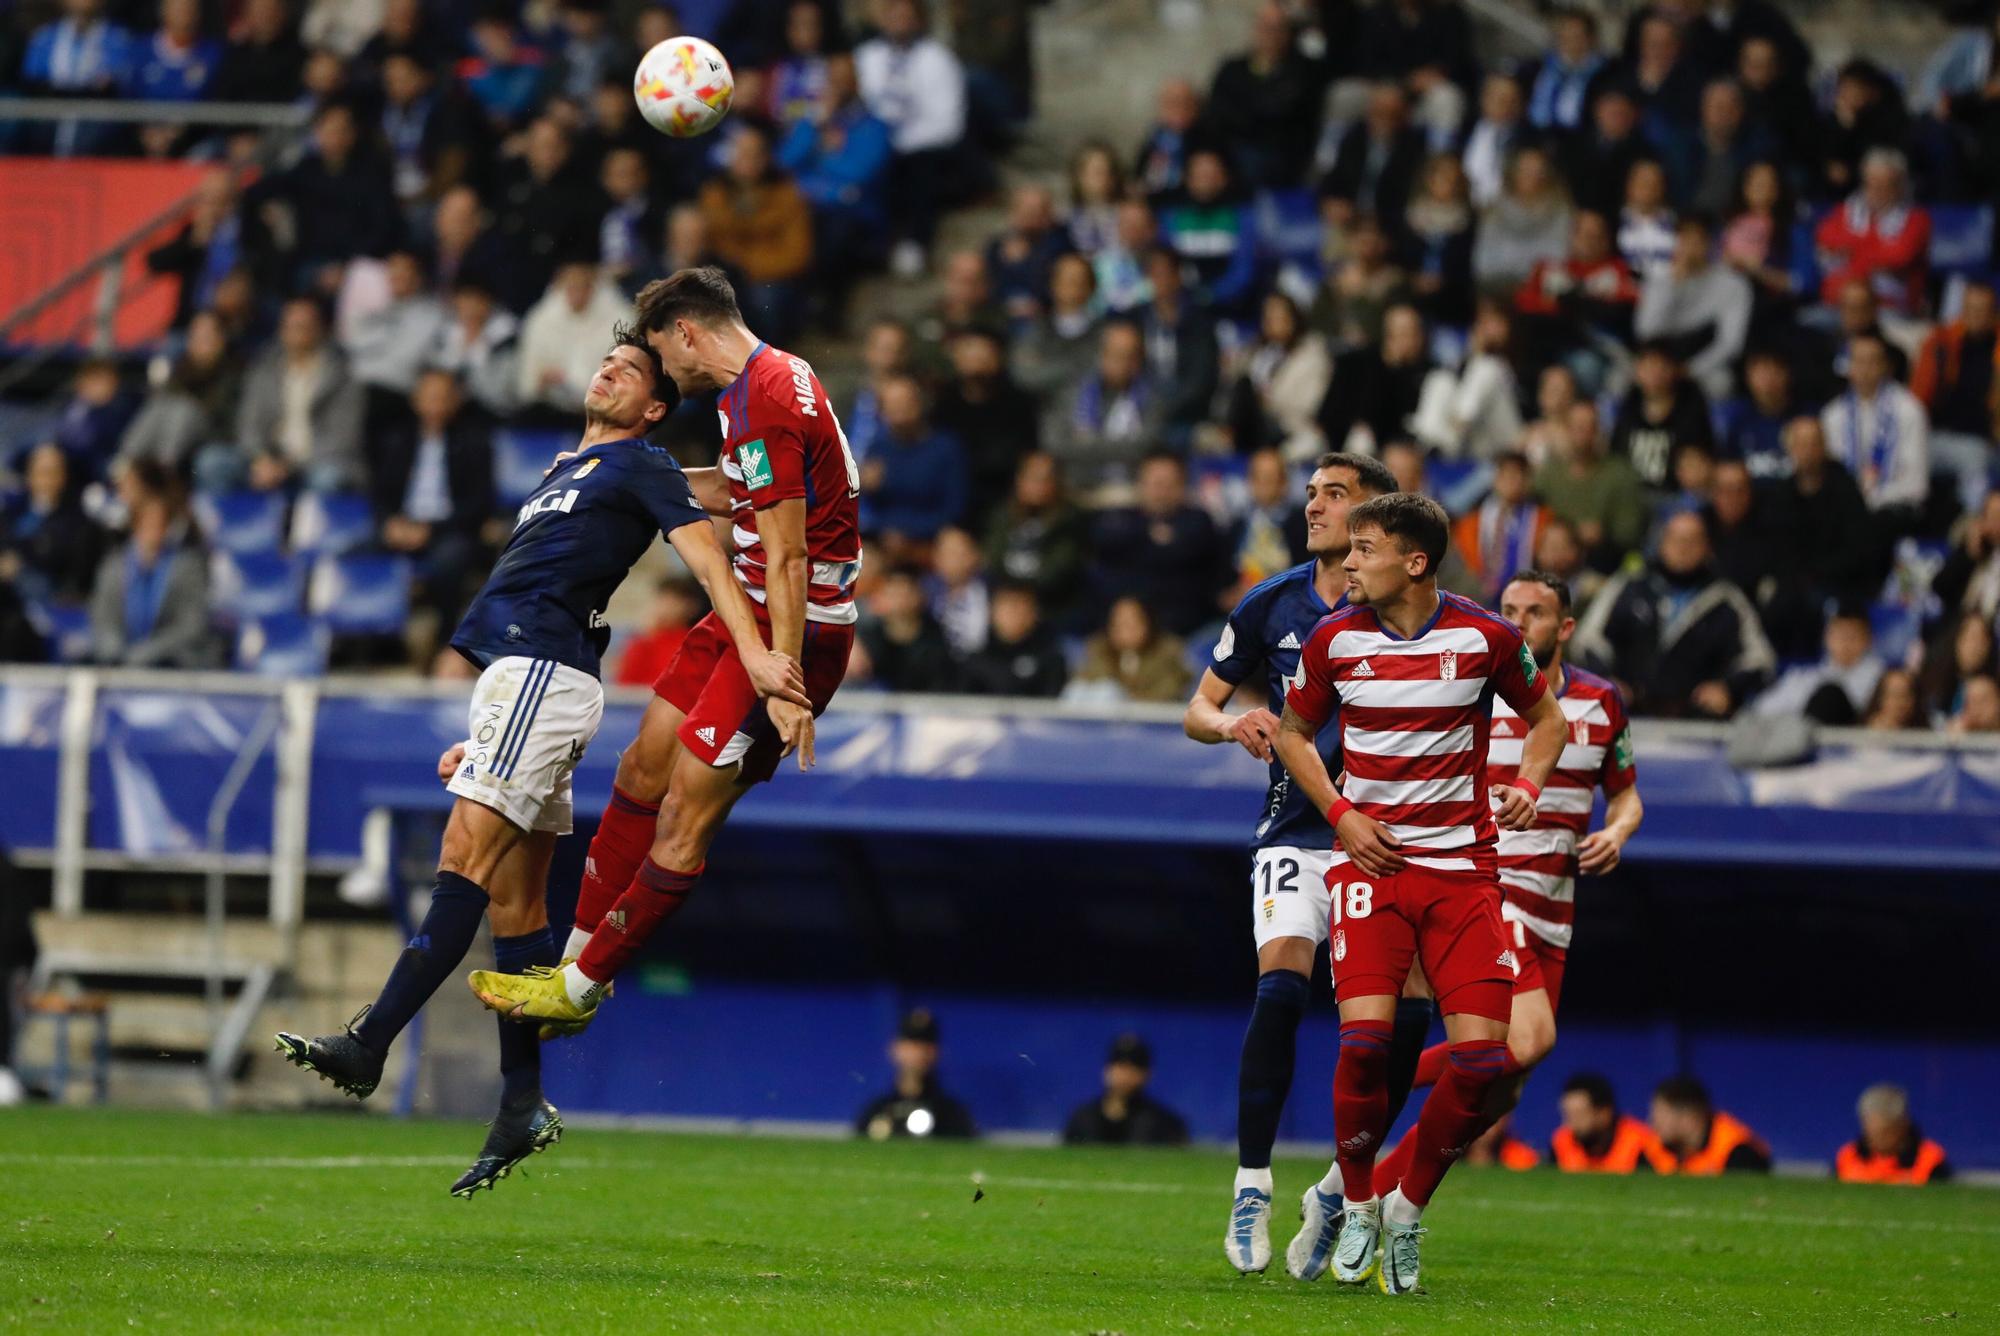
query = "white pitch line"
{"x": 269, "y": 1161}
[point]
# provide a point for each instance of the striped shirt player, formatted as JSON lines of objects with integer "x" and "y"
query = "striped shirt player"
{"x": 1538, "y": 867}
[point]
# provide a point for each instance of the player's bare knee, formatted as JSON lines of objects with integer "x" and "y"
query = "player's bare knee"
{"x": 1287, "y": 953}
{"x": 1531, "y": 1040}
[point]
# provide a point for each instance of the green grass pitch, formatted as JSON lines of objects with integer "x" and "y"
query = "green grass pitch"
{"x": 114, "y": 1220}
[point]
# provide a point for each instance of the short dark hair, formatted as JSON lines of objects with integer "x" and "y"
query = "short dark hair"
{"x": 703, "y": 295}
{"x": 1371, "y": 473}
{"x": 1547, "y": 580}
{"x": 1684, "y": 1092}
{"x": 1592, "y": 1086}
{"x": 664, "y": 389}
{"x": 1416, "y": 522}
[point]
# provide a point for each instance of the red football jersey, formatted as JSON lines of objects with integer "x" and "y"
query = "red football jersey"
{"x": 1538, "y": 866}
{"x": 780, "y": 439}
{"x": 1413, "y": 721}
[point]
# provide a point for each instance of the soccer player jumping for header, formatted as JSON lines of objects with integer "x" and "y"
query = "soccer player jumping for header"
{"x": 1412, "y": 673}
{"x": 536, "y": 631}
{"x": 791, "y": 484}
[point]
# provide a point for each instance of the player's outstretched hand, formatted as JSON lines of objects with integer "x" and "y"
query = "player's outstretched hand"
{"x": 1256, "y": 730}
{"x": 1513, "y": 808}
{"x": 1370, "y": 844}
{"x": 795, "y": 728}
{"x": 779, "y": 677}
{"x": 448, "y": 762}
{"x": 1598, "y": 852}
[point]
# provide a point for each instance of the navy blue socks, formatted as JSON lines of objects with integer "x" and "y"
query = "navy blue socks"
{"x": 1406, "y": 1045}
{"x": 441, "y": 942}
{"x": 520, "y": 1042}
{"x": 1270, "y": 1049}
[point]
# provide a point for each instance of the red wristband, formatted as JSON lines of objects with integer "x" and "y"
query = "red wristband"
{"x": 1341, "y": 807}
{"x": 1528, "y": 786}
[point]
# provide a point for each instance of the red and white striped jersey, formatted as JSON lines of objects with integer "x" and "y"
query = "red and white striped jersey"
{"x": 1413, "y": 721}
{"x": 1538, "y": 866}
{"x": 780, "y": 440}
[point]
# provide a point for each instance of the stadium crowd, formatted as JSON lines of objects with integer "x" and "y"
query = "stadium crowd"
{"x": 1673, "y": 311}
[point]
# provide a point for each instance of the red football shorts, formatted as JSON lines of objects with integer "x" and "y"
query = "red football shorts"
{"x": 726, "y": 724}
{"x": 1448, "y": 920}
{"x": 1542, "y": 964}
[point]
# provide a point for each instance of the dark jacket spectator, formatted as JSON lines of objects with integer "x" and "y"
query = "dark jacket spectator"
{"x": 1378, "y": 388}
{"x": 1956, "y": 370}
{"x": 435, "y": 468}
{"x": 546, "y": 209}
{"x": 94, "y": 418}
{"x": 1265, "y": 104}
{"x": 263, "y": 60}
{"x": 916, "y": 1105}
{"x": 1103, "y": 427}
{"x": 1181, "y": 351}
{"x": 196, "y": 404}
{"x": 993, "y": 419}
{"x": 1022, "y": 256}
{"x": 1819, "y": 515}
{"x": 218, "y": 237}
{"x": 1038, "y": 539}
{"x": 1379, "y": 158}
{"x": 1213, "y": 233}
{"x": 1164, "y": 551}
{"x": 1177, "y": 133}
{"x": 338, "y": 196}
{"x": 1661, "y": 415}
{"x": 904, "y": 644}
{"x": 1596, "y": 161}
{"x": 48, "y": 546}
{"x": 1680, "y": 637}
{"x": 1125, "y": 1114}
{"x": 1021, "y": 656}
{"x": 914, "y": 482}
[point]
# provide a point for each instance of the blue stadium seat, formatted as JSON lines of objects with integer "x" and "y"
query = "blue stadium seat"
{"x": 361, "y": 594}
{"x": 1961, "y": 238}
{"x": 244, "y": 521}
{"x": 249, "y": 586}
{"x": 332, "y": 522}
{"x": 521, "y": 460}
{"x": 286, "y": 645}
{"x": 1896, "y": 628}
{"x": 1288, "y": 226}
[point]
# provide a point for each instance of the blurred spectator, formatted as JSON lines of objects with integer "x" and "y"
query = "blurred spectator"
{"x": 1879, "y": 431}
{"x": 1270, "y": 535}
{"x": 590, "y": 50}
{"x": 1377, "y": 165}
{"x": 1663, "y": 414}
{"x": 49, "y": 549}
{"x": 1836, "y": 690}
{"x": 916, "y": 1105}
{"x": 216, "y": 239}
{"x": 1164, "y": 550}
{"x": 1578, "y": 301}
{"x": 916, "y": 86}
{"x": 1682, "y": 639}
{"x": 1021, "y": 656}
{"x": 386, "y": 346}
{"x": 1666, "y": 79}
{"x": 1133, "y": 659}
{"x": 564, "y": 338}
{"x": 1757, "y": 243}
{"x": 630, "y": 223}
{"x": 965, "y": 301}
{"x": 1646, "y": 220}
{"x": 1500, "y": 129}
{"x": 1596, "y": 491}
{"x": 1750, "y": 552}
{"x": 1878, "y": 237}
{"x": 1699, "y": 307}
{"x": 301, "y": 416}
{"x": 1969, "y": 579}
{"x": 263, "y": 60}
{"x": 465, "y": 248}
{"x": 905, "y": 647}
{"x": 1182, "y": 356}
{"x": 995, "y": 40}
{"x": 761, "y": 227}
{"x": 1724, "y": 148}
{"x": 914, "y": 482}
{"x": 956, "y": 590}
{"x": 1962, "y": 650}
{"x": 1563, "y": 80}
{"x": 1598, "y": 161}
{"x": 1752, "y": 424}
{"x": 428, "y": 131}
{"x": 1021, "y": 258}
{"x": 1265, "y": 102}
{"x": 1125, "y": 1115}
{"x": 1895, "y": 703}
{"x": 1096, "y": 191}
{"x": 1856, "y": 314}
{"x": 1555, "y": 390}
{"x": 995, "y": 420}
{"x": 546, "y": 209}
{"x": 149, "y": 607}
{"x": 1979, "y": 706}
{"x": 1891, "y": 1148}
{"x": 1499, "y": 538}
{"x": 94, "y": 417}
{"x": 840, "y": 158}
{"x": 1778, "y": 97}
{"x": 1530, "y": 223}
{"x": 1426, "y": 45}
{"x": 800, "y": 80}
{"x": 1376, "y": 389}
{"x": 1285, "y": 377}
{"x": 1101, "y": 429}
{"x": 1359, "y": 287}
{"x": 1595, "y": 1138}
{"x": 1437, "y": 231}
{"x": 81, "y": 54}
{"x": 1867, "y": 113}
{"x": 1473, "y": 410}
{"x": 1212, "y": 231}
{"x": 885, "y": 354}
{"x": 1560, "y": 552}
{"x": 503, "y": 74}
{"x": 431, "y": 480}
{"x": 1701, "y": 1139}
{"x": 1954, "y": 378}
{"x": 335, "y": 202}
{"x": 1160, "y": 168}
{"x": 193, "y": 405}
{"x": 1038, "y": 539}
{"x": 1820, "y": 518}
{"x": 1120, "y": 263}
{"x": 678, "y": 604}
{"x": 477, "y": 343}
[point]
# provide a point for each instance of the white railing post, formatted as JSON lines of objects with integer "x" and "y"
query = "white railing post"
{"x": 290, "y": 804}
{"x": 79, "y": 719}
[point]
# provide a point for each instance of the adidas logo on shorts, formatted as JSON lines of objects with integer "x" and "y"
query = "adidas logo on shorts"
{"x": 1362, "y": 670}
{"x": 1291, "y": 640}
{"x": 707, "y": 735}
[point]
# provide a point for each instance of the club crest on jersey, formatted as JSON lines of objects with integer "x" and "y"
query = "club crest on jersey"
{"x": 585, "y": 471}
{"x": 1579, "y": 732}
{"x": 755, "y": 462}
{"x": 1448, "y": 665}
{"x": 1340, "y": 943}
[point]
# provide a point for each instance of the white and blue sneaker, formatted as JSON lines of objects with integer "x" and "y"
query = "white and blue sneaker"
{"x": 1319, "y": 1225}
{"x": 1248, "y": 1243}
{"x": 1354, "y": 1248}
{"x": 1399, "y": 1257}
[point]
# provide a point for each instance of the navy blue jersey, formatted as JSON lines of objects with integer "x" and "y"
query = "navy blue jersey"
{"x": 574, "y": 542}
{"x": 1268, "y": 628}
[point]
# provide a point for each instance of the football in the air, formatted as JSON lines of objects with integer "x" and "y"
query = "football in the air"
{"x": 683, "y": 87}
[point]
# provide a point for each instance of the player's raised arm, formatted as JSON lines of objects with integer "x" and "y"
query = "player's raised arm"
{"x": 776, "y": 675}
{"x": 1521, "y": 684}
{"x": 711, "y": 490}
{"x": 1601, "y": 850}
{"x": 1208, "y": 721}
{"x": 781, "y": 528}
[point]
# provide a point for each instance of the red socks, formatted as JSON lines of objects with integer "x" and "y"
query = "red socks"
{"x": 1391, "y": 1168}
{"x": 1360, "y": 1103}
{"x": 624, "y": 834}
{"x": 1454, "y": 1115}
{"x": 655, "y": 895}
{"x": 1430, "y": 1063}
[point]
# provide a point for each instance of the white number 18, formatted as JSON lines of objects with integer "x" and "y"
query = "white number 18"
{"x": 1353, "y": 900}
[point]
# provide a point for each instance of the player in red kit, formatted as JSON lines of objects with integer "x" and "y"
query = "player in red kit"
{"x": 1538, "y": 867}
{"x": 1412, "y": 674}
{"x": 789, "y": 483}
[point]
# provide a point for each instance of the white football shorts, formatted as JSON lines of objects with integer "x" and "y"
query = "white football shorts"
{"x": 530, "y": 722}
{"x": 1289, "y": 897}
